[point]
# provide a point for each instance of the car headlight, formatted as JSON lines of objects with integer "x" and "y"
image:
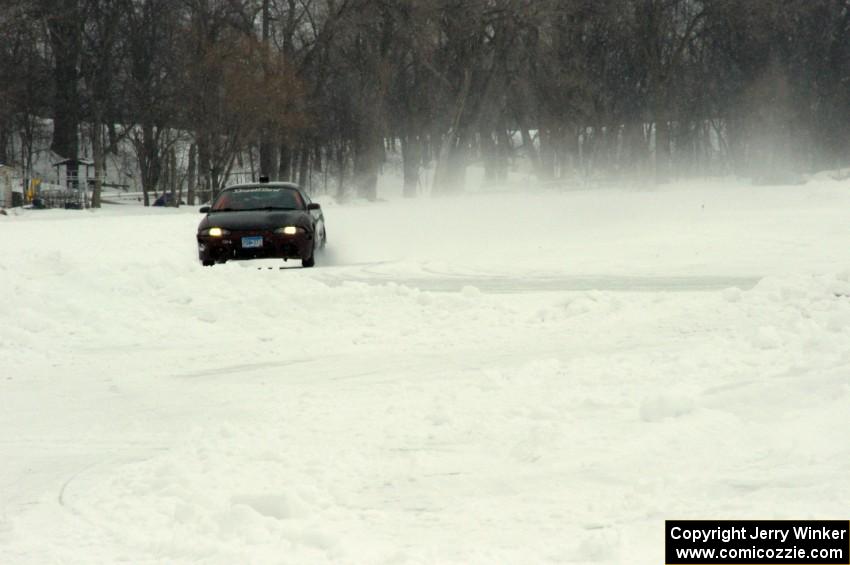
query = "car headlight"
{"x": 289, "y": 230}
{"x": 216, "y": 232}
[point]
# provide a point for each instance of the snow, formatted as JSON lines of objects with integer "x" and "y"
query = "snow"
{"x": 490, "y": 378}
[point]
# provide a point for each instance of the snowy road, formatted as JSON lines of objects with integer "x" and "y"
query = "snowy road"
{"x": 436, "y": 391}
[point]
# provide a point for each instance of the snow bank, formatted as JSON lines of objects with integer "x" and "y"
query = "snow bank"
{"x": 471, "y": 380}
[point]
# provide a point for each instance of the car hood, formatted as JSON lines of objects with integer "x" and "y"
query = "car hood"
{"x": 256, "y": 220}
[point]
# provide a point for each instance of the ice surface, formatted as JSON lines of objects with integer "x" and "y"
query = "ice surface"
{"x": 493, "y": 378}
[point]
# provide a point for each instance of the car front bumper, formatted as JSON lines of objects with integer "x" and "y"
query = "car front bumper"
{"x": 230, "y": 247}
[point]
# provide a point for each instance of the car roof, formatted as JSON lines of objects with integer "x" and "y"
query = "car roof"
{"x": 263, "y": 185}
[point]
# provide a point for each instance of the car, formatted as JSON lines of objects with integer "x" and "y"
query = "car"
{"x": 165, "y": 199}
{"x": 260, "y": 221}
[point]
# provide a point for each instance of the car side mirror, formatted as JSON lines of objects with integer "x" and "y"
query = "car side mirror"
{"x": 204, "y": 210}
{"x": 313, "y": 206}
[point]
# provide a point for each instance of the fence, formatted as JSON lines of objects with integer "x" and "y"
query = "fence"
{"x": 57, "y": 196}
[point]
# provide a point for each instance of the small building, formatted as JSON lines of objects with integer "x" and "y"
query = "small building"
{"x": 76, "y": 176}
{"x": 11, "y": 190}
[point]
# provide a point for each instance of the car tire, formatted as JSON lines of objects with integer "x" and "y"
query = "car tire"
{"x": 309, "y": 262}
{"x": 207, "y": 263}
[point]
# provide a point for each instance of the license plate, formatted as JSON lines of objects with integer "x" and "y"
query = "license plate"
{"x": 252, "y": 242}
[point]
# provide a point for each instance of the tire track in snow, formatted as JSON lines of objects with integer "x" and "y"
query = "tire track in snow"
{"x": 497, "y": 284}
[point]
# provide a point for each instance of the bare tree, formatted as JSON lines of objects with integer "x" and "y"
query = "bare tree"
{"x": 306, "y": 87}
{"x": 102, "y": 58}
{"x": 25, "y": 85}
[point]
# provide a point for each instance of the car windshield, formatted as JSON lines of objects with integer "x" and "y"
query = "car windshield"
{"x": 259, "y": 198}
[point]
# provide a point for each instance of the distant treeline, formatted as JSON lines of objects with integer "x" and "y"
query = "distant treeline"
{"x": 653, "y": 88}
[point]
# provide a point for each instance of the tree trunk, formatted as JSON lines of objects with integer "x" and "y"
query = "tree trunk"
{"x": 505, "y": 150}
{"x": 284, "y": 171}
{"x": 268, "y": 157}
{"x": 489, "y": 155}
{"x": 547, "y": 154}
{"x": 451, "y": 152}
{"x": 172, "y": 177}
{"x": 634, "y": 151}
{"x": 303, "y": 165}
{"x": 149, "y": 162}
{"x": 367, "y": 162}
{"x": 340, "y": 167}
{"x": 411, "y": 153}
{"x": 65, "y": 31}
{"x": 528, "y": 146}
{"x": 662, "y": 148}
{"x": 454, "y": 171}
{"x": 179, "y": 192}
{"x": 204, "y": 180}
{"x": 99, "y": 162}
{"x": 191, "y": 174}
{"x": 4, "y": 143}
{"x": 570, "y": 153}
{"x": 268, "y": 151}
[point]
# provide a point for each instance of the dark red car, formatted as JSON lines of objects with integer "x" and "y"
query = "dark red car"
{"x": 259, "y": 221}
